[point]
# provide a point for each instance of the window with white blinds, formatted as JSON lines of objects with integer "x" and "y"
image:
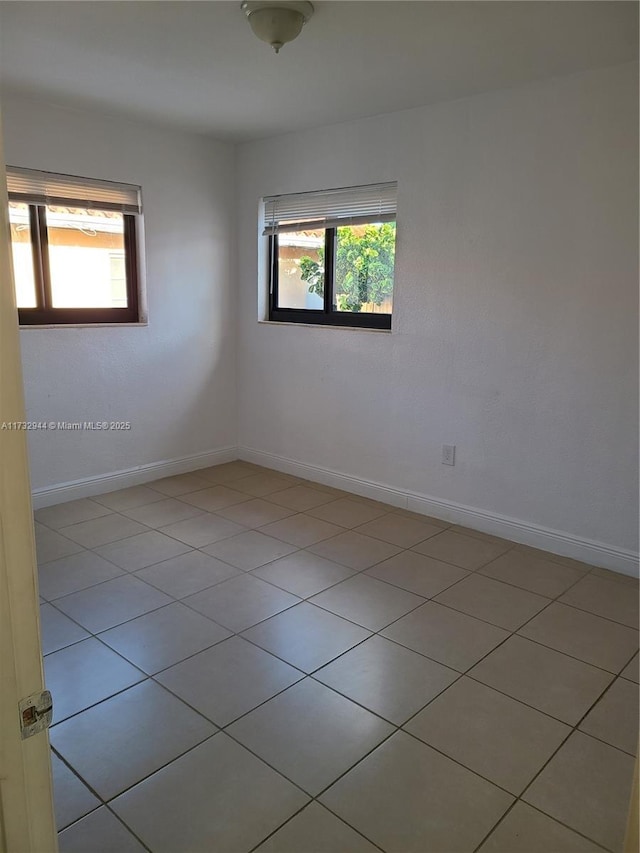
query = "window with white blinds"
{"x": 332, "y": 256}
{"x": 330, "y": 208}
{"x": 31, "y": 186}
{"x": 75, "y": 248}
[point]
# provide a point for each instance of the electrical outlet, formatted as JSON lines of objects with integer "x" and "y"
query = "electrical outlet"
{"x": 448, "y": 454}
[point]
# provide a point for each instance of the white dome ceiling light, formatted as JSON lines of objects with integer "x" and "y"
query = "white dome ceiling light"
{"x": 277, "y": 22}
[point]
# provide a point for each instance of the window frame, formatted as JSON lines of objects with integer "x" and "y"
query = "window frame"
{"x": 329, "y": 315}
{"x": 45, "y": 314}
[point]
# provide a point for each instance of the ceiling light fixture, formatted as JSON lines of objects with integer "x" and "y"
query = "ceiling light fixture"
{"x": 277, "y": 22}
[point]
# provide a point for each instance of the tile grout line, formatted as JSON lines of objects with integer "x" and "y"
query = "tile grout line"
{"x": 539, "y": 811}
{"x": 223, "y": 729}
{"x": 396, "y": 729}
{"x": 306, "y": 806}
{"x": 332, "y": 660}
{"x": 373, "y": 633}
{"x": 128, "y": 828}
{"x": 556, "y": 558}
{"x": 258, "y": 529}
{"x": 574, "y": 729}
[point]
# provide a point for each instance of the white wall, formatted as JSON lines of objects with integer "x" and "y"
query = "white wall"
{"x": 515, "y": 311}
{"x": 174, "y": 379}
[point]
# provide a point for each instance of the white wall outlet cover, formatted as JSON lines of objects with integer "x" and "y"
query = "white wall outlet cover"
{"x": 448, "y": 454}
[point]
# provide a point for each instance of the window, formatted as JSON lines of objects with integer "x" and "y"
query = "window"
{"x": 332, "y": 256}
{"x": 75, "y": 248}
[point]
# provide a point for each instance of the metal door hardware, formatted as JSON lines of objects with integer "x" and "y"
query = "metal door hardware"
{"x": 36, "y": 712}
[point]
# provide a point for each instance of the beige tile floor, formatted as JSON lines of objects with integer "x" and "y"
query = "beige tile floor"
{"x": 241, "y": 661}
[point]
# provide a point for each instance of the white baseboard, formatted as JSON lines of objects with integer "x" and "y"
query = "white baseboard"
{"x": 88, "y": 486}
{"x": 513, "y": 529}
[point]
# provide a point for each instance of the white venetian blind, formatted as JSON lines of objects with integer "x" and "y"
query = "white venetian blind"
{"x": 34, "y": 187}
{"x": 330, "y": 208}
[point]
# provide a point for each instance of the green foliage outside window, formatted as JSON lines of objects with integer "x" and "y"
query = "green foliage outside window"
{"x": 364, "y": 266}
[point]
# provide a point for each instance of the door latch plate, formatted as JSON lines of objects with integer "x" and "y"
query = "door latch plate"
{"x": 36, "y": 712}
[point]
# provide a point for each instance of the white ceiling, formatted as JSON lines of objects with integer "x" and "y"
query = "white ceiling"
{"x": 197, "y": 64}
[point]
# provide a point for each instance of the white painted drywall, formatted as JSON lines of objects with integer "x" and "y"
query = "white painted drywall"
{"x": 515, "y": 320}
{"x": 174, "y": 379}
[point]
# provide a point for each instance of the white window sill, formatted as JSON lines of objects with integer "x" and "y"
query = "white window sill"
{"x": 87, "y": 325}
